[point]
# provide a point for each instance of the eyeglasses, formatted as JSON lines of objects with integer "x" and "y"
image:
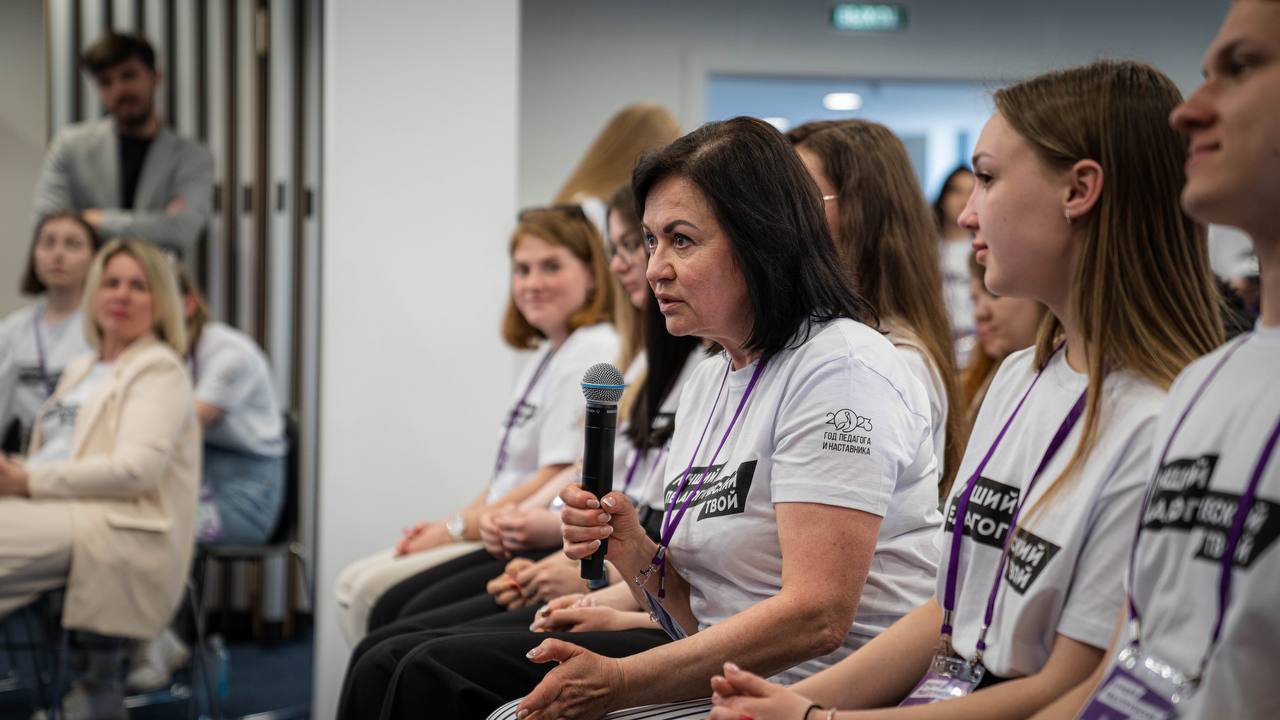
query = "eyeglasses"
{"x": 570, "y": 209}
{"x": 628, "y": 247}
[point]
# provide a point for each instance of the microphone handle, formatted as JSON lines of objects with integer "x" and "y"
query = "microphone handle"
{"x": 597, "y": 472}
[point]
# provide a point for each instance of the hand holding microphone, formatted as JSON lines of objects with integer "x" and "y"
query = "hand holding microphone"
{"x": 602, "y": 387}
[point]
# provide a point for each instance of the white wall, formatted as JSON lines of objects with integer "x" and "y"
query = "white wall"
{"x": 419, "y": 153}
{"x": 22, "y": 131}
{"x": 581, "y": 60}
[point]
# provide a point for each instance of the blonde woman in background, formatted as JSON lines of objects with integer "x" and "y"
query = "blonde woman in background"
{"x": 105, "y": 502}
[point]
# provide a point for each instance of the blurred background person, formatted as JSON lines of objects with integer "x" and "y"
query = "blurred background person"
{"x": 37, "y": 341}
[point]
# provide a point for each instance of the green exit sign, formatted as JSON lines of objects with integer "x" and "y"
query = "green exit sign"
{"x": 864, "y": 17}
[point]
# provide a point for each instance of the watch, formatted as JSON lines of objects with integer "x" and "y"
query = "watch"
{"x": 456, "y": 526}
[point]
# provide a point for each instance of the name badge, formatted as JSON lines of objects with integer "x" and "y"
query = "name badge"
{"x": 1140, "y": 687}
{"x": 660, "y": 615}
{"x": 949, "y": 677}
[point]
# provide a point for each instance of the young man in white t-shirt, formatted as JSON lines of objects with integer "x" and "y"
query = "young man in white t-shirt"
{"x": 1215, "y": 444}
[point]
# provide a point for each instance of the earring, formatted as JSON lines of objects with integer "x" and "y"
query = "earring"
{"x": 1067, "y": 213}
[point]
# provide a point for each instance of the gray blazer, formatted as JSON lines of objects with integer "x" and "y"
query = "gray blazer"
{"x": 82, "y": 171}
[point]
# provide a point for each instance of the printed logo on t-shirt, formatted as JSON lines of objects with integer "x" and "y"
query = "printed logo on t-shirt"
{"x": 524, "y": 413}
{"x": 845, "y": 437}
{"x": 30, "y": 375}
{"x": 1028, "y": 555}
{"x": 720, "y": 494}
{"x": 990, "y": 510}
{"x": 1182, "y": 501}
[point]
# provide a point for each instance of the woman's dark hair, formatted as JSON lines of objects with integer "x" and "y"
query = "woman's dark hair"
{"x": 771, "y": 210}
{"x": 939, "y": 212}
{"x": 31, "y": 283}
{"x": 666, "y": 355}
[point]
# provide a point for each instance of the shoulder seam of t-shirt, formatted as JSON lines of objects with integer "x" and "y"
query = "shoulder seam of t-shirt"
{"x": 928, "y": 419}
{"x": 14, "y": 321}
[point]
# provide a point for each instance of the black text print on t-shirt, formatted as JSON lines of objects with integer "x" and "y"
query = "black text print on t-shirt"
{"x": 845, "y": 436}
{"x": 990, "y": 510}
{"x": 1182, "y": 500}
{"x": 1028, "y": 555}
{"x": 524, "y": 413}
{"x": 719, "y": 495}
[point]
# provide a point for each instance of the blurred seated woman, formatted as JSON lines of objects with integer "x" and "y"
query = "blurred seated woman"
{"x": 1004, "y": 325}
{"x": 37, "y": 341}
{"x": 105, "y": 502}
{"x": 560, "y": 308}
{"x": 242, "y": 473}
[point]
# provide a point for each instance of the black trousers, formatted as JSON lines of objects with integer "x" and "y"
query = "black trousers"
{"x": 466, "y": 671}
{"x": 462, "y": 578}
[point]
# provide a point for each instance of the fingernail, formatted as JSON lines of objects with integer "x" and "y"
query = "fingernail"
{"x": 593, "y": 503}
{"x": 602, "y": 517}
{"x": 731, "y": 667}
{"x": 522, "y": 714}
{"x": 609, "y": 502}
{"x": 533, "y": 627}
{"x": 534, "y": 653}
{"x": 595, "y": 544}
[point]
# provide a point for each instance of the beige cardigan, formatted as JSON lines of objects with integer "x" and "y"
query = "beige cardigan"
{"x": 132, "y": 482}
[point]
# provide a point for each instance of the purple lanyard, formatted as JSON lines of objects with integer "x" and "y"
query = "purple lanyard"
{"x": 670, "y": 522}
{"x": 1234, "y": 534}
{"x": 501, "y": 460}
{"x": 635, "y": 463}
{"x": 49, "y": 384}
{"x": 962, "y": 506}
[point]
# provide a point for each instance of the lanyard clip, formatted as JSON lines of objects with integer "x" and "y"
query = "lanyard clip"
{"x": 659, "y": 559}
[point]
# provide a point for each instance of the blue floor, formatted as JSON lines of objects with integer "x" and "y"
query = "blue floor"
{"x": 261, "y": 678}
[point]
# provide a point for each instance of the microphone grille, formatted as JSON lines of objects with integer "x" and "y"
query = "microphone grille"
{"x": 602, "y": 383}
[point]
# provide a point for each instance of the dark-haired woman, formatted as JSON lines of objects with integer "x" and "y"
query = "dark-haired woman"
{"x": 802, "y": 485}
{"x": 423, "y": 659}
{"x": 1076, "y": 206}
{"x": 37, "y": 341}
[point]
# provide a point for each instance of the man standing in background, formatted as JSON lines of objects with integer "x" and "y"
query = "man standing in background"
{"x": 126, "y": 173}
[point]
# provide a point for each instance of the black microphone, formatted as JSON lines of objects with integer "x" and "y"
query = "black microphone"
{"x": 602, "y": 386}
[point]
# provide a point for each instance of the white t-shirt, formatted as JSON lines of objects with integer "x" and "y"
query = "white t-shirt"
{"x": 1064, "y": 570}
{"x": 232, "y": 373}
{"x": 23, "y": 388}
{"x": 58, "y": 423}
{"x": 1184, "y": 530}
{"x": 923, "y": 369}
{"x": 955, "y": 285}
{"x": 647, "y": 487}
{"x": 548, "y": 424}
{"x": 837, "y": 421}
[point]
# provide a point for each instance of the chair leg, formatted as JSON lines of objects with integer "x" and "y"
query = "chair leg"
{"x": 201, "y": 657}
{"x": 60, "y": 666}
{"x": 256, "y": 599}
{"x": 290, "y": 590}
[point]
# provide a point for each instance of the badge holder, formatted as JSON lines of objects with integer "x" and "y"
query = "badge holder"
{"x": 1138, "y": 686}
{"x": 949, "y": 677}
{"x": 657, "y": 613}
